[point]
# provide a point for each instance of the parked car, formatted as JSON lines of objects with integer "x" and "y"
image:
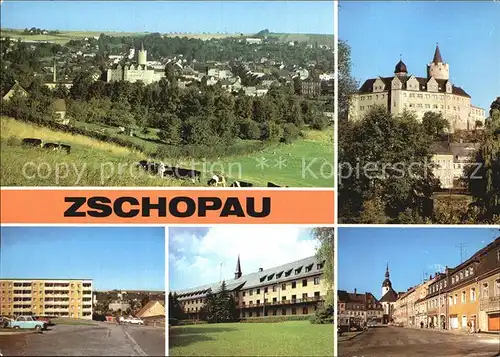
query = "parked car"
{"x": 372, "y": 324}
{"x": 27, "y": 322}
{"x": 133, "y": 321}
{"x": 45, "y": 319}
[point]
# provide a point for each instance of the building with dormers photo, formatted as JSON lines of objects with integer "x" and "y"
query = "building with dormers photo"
{"x": 405, "y": 91}
{"x": 296, "y": 288}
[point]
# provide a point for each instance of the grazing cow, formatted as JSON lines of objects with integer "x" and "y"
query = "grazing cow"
{"x": 241, "y": 184}
{"x": 181, "y": 173}
{"x": 52, "y": 146}
{"x": 32, "y": 142}
{"x": 66, "y": 148}
{"x": 217, "y": 180}
{"x": 143, "y": 164}
{"x": 161, "y": 169}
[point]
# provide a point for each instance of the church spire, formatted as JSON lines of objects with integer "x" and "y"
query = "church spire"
{"x": 437, "y": 55}
{"x": 387, "y": 270}
{"x": 237, "y": 273}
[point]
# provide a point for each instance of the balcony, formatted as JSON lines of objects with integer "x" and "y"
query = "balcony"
{"x": 283, "y": 302}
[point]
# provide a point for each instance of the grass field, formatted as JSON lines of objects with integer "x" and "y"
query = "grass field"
{"x": 307, "y": 162}
{"x": 293, "y": 338}
{"x": 71, "y": 321}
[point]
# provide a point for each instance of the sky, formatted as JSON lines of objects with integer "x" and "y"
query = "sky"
{"x": 131, "y": 258}
{"x": 180, "y": 16}
{"x": 196, "y": 254}
{"x": 467, "y": 33}
{"x": 410, "y": 252}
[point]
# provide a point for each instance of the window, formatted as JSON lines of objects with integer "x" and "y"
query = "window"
{"x": 275, "y": 300}
{"x": 283, "y": 286}
{"x": 243, "y": 294}
{"x": 304, "y": 311}
{"x": 294, "y": 284}
{"x": 275, "y": 312}
{"x": 486, "y": 290}
{"x": 455, "y": 298}
{"x": 461, "y": 275}
{"x": 250, "y": 292}
{"x": 463, "y": 297}
{"x": 472, "y": 294}
{"x": 304, "y": 282}
{"x": 498, "y": 255}
{"x": 265, "y": 290}
{"x": 258, "y": 302}
{"x": 283, "y": 298}
{"x": 316, "y": 280}
{"x": 294, "y": 311}
{"x": 274, "y": 288}
{"x": 466, "y": 273}
{"x": 258, "y": 291}
{"x": 497, "y": 287}
{"x": 304, "y": 296}
{"x": 283, "y": 311}
{"x": 453, "y": 280}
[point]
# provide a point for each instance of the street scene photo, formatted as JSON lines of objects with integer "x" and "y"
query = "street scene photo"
{"x": 167, "y": 93}
{"x": 419, "y": 116}
{"x": 251, "y": 291}
{"x": 75, "y": 291}
{"x": 415, "y": 292}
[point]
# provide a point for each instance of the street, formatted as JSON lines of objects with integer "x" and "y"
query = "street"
{"x": 102, "y": 339}
{"x": 399, "y": 342}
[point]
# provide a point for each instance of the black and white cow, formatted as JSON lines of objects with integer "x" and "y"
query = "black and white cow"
{"x": 241, "y": 184}
{"x": 182, "y": 173}
{"x": 32, "y": 142}
{"x": 66, "y": 148}
{"x": 270, "y": 184}
{"x": 217, "y": 180}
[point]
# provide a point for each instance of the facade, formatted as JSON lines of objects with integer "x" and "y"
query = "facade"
{"x": 463, "y": 296}
{"x": 135, "y": 72}
{"x": 450, "y": 160}
{"x": 358, "y": 309}
{"x": 311, "y": 88}
{"x": 404, "y": 308}
{"x": 46, "y": 297}
{"x": 405, "y": 91}
{"x": 55, "y": 82}
{"x": 436, "y": 301}
{"x": 296, "y": 288}
{"x": 119, "y": 305}
{"x": 153, "y": 308}
{"x": 489, "y": 289}
{"x": 420, "y": 305}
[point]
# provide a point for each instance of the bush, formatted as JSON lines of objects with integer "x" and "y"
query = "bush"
{"x": 272, "y": 131}
{"x": 320, "y": 122}
{"x": 323, "y": 315}
{"x": 290, "y": 133}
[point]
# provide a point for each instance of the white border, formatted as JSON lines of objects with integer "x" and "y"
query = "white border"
{"x": 335, "y": 168}
{"x": 161, "y": 188}
{"x": 167, "y": 289}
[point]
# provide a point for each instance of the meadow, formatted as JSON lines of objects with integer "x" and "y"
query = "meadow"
{"x": 307, "y": 162}
{"x": 292, "y": 338}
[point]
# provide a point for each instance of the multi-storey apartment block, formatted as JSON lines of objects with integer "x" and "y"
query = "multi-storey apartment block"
{"x": 46, "y": 297}
{"x": 404, "y": 91}
{"x": 296, "y": 288}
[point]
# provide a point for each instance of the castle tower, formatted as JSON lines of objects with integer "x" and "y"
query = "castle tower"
{"x": 142, "y": 56}
{"x": 386, "y": 285}
{"x": 238, "y": 273}
{"x": 400, "y": 69}
{"x": 437, "y": 68}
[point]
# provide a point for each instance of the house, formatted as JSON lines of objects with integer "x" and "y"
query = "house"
{"x": 16, "y": 88}
{"x": 59, "y": 111}
{"x": 153, "y": 312}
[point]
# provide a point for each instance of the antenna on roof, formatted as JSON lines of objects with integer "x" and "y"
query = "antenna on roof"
{"x": 462, "y": 247}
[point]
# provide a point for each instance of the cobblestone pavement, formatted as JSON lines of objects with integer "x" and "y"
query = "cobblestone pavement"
{"x": 402, "y": 342}
{"x": 90, "y": 340}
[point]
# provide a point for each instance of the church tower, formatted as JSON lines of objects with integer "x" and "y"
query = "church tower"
{"x": 386, "y": 285}
{"x": 437, "y": 68}
{"x": 238, "y": 273}
{"x": 142, "y": 56}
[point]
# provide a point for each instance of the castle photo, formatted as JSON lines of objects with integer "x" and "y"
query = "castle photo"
{"x": 406, "y": 91}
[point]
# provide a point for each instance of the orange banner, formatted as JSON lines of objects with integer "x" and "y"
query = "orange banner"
{"x": 153, "y": 206}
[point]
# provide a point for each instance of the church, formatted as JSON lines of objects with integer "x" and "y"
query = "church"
{"x": 405, "y": 91}
{"x": 135, "y": 72}
{"x": 388, "y": 299}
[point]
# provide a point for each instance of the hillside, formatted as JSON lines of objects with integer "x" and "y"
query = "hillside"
{"x": 95, "y": 163}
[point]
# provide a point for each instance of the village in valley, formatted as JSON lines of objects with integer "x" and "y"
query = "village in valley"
{"x": 252, "y": 108}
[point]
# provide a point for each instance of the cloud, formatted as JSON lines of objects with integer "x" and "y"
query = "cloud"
{"x": 196, "y": 258}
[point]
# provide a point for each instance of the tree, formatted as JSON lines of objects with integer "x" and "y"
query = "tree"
{"x": 346, "y": 83}
{"x": 272, "y": 131}
{"x": 484, "y": 176}
{"x": 220, "y": 307}
{"x": 170, "y": 129}
{"x": 249, "y": 129}
{"x": 385, "y": 157}
{"x": 175, "y": 310}
{"x": 290, "y": 133}
{"x": 434, "y": 124}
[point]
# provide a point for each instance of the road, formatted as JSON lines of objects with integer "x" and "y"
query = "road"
{"x": 103, "y": 339}
{"x": 404, "y": 342}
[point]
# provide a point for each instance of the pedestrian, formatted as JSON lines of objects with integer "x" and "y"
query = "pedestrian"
{"x": 421, "y": 324}
{"x": 444, "y": 325}
{"x": 469, "y": 325}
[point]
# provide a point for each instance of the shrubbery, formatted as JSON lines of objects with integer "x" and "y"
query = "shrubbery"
{"x": 275, "y": 318}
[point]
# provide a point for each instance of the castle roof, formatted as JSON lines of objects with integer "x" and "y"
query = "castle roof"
{"x": 400, "y": 67}
{"x": 367, "y": 86}
{"x": 389, "y": 296}
{"x": 437, "y": 56}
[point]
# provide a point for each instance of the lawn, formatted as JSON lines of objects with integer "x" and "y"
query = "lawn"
{"x": 307, "y": 162}
{"x": 72, "y": 321}
{"x": 293, "y": 338}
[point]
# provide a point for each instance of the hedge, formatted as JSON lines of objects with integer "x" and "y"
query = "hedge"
{"x": 276, "y": 318}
